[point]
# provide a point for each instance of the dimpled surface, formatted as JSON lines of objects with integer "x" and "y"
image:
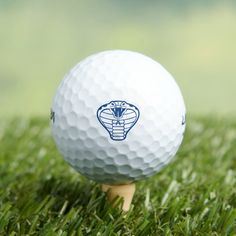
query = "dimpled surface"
{"x": 125, "y": 76}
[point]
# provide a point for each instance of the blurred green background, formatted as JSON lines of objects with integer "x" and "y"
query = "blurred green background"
{"x": 41, "y": 40}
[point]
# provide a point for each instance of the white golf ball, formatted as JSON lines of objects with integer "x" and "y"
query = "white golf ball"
{"x": 117, "y": 117}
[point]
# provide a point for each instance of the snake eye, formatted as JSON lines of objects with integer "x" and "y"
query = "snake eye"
{"x": 112, "y": 103}
{"x": 123, "y": 103}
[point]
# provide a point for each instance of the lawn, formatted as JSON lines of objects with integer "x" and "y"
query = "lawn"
{"x": 41, "y": 195}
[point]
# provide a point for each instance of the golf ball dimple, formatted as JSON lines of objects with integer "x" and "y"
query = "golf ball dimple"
{"x": 117, "y": 117}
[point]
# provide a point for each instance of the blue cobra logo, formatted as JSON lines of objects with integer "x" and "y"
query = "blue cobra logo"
{"x": 118, "y": 117}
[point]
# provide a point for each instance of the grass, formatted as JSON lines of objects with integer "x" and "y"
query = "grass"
{"x": 42, "y": 195}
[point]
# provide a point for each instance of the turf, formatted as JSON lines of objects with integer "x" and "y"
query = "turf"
{"x": 42, "y": 195}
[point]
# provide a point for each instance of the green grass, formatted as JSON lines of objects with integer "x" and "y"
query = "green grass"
{"x": 41, "y": 195}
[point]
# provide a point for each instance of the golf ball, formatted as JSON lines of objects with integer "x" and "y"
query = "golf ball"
{"x": 117, "y": 117}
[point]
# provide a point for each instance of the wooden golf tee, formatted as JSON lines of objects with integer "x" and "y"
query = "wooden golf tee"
{"x": 125, "y": 191}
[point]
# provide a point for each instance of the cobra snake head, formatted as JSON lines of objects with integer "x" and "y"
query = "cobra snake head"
{"x": 117, "y": 108}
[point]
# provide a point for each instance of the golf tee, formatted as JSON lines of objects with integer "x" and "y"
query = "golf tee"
{"x": 125, "y": 191}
